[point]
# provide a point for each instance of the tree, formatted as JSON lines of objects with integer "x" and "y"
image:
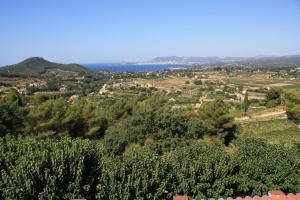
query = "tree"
{"x": 121, "y": 108}
{"x": 197, "y": 82}
{"x": 273, "y": 97}
{"x": 151, "y": 118}
{"x": 52, "y": 84}
{"x": 292, "y": 105}
{"x": 12, "y": 113}
{"x": 155, "y": 118}
{"x": 215, "y": 120}
{"x": 47, "y": 119}
{"x": 83, "y": 118}
{"x": 240, "y": 88}
{"x": 31, "y": 89}
{"x": 57, "y": 117}
{"x": 273, "y": 93}
{"x": 246, "y": 103}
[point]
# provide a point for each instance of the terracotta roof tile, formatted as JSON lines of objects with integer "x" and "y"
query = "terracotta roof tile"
{"x": 256, "y": 197}
{"x": 292, "y": 197}
{"x": 265, "y": 197}
{"x": 180, "y": 198}
{"x": 276, "y": 193}
{"x": 272, "y": 195}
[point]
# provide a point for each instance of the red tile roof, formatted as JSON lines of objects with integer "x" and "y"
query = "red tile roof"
{"x": 276, "y": 193}
{"x": 180, "y": 198}
{"x": 272, "y": 195}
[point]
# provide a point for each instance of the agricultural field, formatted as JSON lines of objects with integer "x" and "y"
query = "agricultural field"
{"x": 190, "y": 89}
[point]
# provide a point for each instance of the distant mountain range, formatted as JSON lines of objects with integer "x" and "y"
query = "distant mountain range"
{"x": 39, "y": 66}
{"x": 267, "y": 61}
{"x": 190, "y": 60}
{"x": 36, "y": 66}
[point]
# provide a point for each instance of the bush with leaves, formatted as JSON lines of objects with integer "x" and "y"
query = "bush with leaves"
{"x": 74, "y": 168}
{"x": 263, "y": 167}
{"x": 203, "y": 171}
{"x": 272, "y": 103}
{"x": 143, "y": 175}
{"x": 64, "y": 169}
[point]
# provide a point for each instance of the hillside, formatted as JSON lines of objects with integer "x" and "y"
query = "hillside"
{"x": 38, "y": 66}
{"x": 282, "y": 61}
{"x": 261, "y": 61}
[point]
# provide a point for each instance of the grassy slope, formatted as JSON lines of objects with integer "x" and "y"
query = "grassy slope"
{"x": 275, "y": 131}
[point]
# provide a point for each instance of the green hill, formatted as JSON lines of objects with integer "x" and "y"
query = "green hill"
{"x": 39, "y": 66}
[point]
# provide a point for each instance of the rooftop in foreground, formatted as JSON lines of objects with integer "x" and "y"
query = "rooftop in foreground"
{"x": 272, "y": 195}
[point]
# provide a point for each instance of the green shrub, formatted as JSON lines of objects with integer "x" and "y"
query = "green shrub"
{"x": 201, "y": 171}
{"x": 263, "y": 167}
{"x": 32, "y": 169}
{"x": 272, "y": 103}
{"x": 76, "y": 168}
{"x": 140, "y": 176}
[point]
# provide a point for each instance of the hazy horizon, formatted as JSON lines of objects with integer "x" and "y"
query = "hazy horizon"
{"x": 114, "y": 31}
{"x": 125, "y": 62}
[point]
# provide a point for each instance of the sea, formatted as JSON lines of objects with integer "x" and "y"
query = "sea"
{"x": 131, "y": 67}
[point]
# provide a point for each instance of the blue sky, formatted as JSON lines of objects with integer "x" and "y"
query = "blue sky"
{"x": 87, "y": 31}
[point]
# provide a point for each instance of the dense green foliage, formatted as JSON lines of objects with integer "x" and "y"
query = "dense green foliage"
{"x": 156, "y": 119}
{"x": 11, "y": 113}
{"x": 69, "y": 168}
{"x": 246, "y": 102}
{"x": 140, "y": 176}
{"x": 121, "y": 122}
{"x": 55, "y": 118}
{"x": 215, "y": 121}
{"x": 263, "y": 166}
{"x": 32, "y": 169}
{"x": 273, "y": 97}
{"x": 292, "y": 105}
{"x": 152, "y": 118}
{"x": 203, "y": 171}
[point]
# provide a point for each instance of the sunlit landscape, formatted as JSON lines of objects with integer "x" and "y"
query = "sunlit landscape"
{"x": 143, "y": 100}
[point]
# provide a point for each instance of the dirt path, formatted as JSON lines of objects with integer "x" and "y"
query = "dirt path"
{"x": 265, "y": 116}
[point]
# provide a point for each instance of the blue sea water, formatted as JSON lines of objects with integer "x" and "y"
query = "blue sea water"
{"x": 130, "y": 67}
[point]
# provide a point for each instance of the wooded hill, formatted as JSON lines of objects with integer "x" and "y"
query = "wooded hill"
{"x": 37, "y": 66}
